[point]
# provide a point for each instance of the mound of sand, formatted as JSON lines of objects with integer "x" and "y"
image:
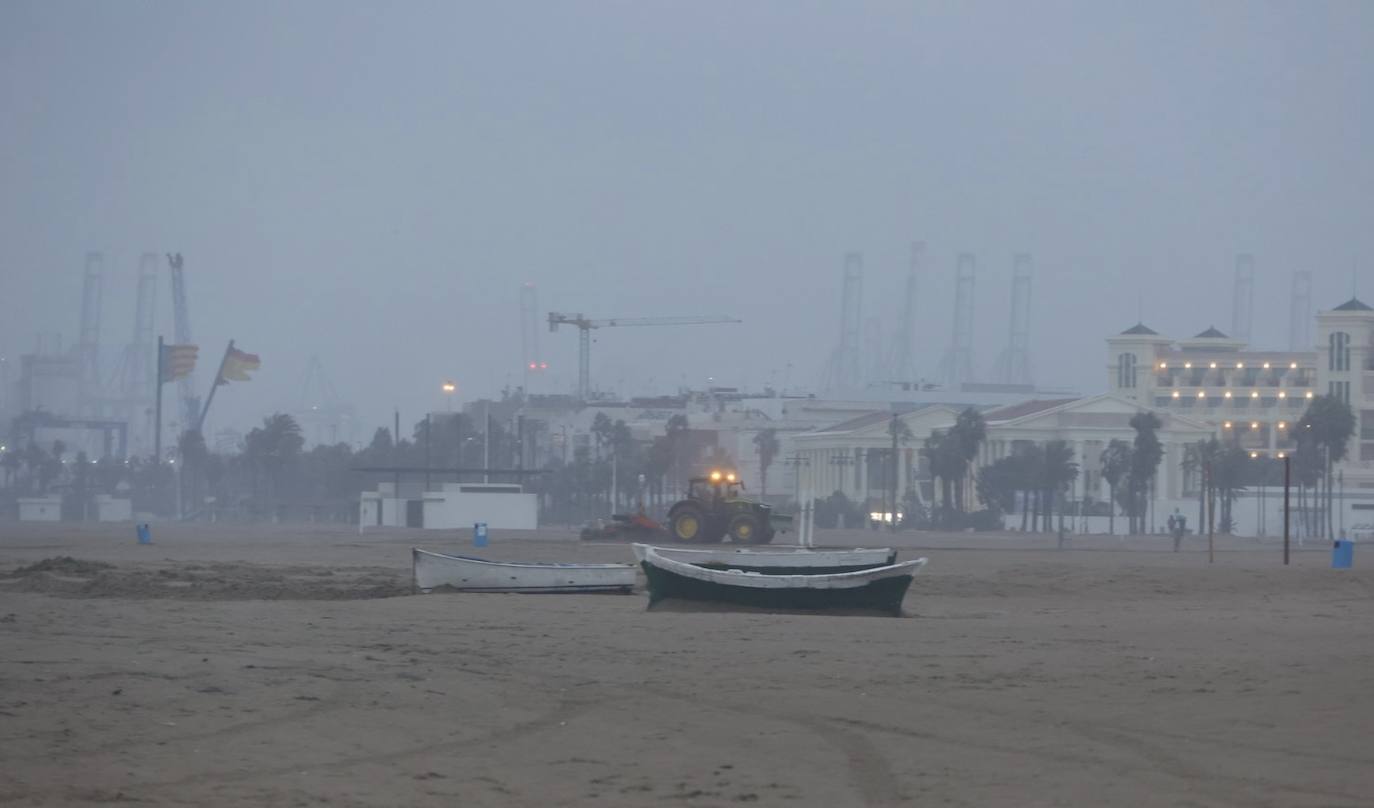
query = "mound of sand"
{"x": 71, "y": 577}
{"x": 62, "y": 565}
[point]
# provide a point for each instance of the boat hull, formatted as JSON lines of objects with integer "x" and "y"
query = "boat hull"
{"x": 883, "y": 596}
{"x": 464, "y": 574}
{"x": 879, "y": 590}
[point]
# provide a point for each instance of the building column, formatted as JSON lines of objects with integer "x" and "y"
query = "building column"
{"x": 1164, "y": 477}
{"x": 1080, "y": 456}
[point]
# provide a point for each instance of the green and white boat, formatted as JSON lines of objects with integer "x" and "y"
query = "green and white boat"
{"x": 879, "y": 590}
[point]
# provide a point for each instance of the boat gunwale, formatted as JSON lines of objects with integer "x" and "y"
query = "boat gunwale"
{"x": 761, "y": 558}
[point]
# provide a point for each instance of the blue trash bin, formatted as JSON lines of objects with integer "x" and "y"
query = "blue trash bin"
{"x": 479, "y": 534}
{"x": 145, "y": 534}
{"x": 1343, "y": 554}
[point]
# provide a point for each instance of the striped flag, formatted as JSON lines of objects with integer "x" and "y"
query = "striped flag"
{"x": 237, "y": 365}
{"x": 178, "y": 361}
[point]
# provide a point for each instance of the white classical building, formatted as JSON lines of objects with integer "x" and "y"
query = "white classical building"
{"x": 855, "y": 457}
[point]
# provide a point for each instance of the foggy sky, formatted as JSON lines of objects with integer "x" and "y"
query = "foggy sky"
{"x": 371, "y": 182}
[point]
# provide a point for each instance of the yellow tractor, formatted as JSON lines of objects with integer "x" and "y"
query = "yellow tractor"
{"x": 714, "y": 509}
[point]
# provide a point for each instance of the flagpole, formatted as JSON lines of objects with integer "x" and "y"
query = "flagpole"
{"x": 214, "y": 385}
{"x": 157, "y": 419}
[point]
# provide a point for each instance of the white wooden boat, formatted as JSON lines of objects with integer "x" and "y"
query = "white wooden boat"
{"x": 878, "y": 590}
{"x": 776, "y": 561}
{"x": 466, "y": 574}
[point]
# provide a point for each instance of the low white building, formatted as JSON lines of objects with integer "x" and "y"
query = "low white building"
{"x": 40, "y": 509}
{"x": 501, "y": 506}
{"x": 113, "y": 509}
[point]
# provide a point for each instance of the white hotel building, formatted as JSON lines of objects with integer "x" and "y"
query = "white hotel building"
{"x": 1206, "y": 385}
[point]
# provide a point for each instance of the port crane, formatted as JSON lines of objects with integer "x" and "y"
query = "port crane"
{"x": 585, "y": 326}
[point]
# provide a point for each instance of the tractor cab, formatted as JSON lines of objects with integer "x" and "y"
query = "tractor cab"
{"x": 718, "y": 485}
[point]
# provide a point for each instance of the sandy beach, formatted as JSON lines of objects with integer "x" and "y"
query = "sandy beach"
{"x": 286, "y": 666}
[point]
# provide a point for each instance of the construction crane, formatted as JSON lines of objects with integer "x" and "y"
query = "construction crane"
{"x": 190, "y": 402}
{"x": 584, "y": 337}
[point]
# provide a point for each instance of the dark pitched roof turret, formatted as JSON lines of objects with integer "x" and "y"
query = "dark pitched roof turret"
{"x": 1353, "y": 304}
{"x": 1211, "y": 333}
{"x": 1140, "y": 329}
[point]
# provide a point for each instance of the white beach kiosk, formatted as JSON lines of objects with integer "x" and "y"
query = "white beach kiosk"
{"x": 504, "y": 506}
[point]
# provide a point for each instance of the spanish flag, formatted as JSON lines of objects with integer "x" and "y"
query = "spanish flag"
{"x": 237, "y": 365}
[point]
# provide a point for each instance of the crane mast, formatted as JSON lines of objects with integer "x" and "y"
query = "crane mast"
{"x": 585, "y": 325}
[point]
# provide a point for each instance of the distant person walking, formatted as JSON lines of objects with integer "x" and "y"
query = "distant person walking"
{"x": 1178, "y": 526}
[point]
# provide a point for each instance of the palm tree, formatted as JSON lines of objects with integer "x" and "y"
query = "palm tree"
{"x": 1307, "y": 468}
{"x": 272, "y": 446}
{"x": 1145, "y": 456}
{"x": 998, "y": 482}
{"x": 1116, "y": 464}
{"x": 1228, "y": 467}
{"x": 1199, "y": 458}
{"x": 1331, "y": 422}
{"x": 969, "y": 432}
{"x": 1058, "y": 469}
{"x": 602, "y": 427}
{"x": 766, "y": 446}
{"x": 946, "y": 465}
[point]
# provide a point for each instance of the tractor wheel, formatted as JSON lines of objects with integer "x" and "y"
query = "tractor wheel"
{"x": 745, "y": 530}
{"x": 689, "y": 525}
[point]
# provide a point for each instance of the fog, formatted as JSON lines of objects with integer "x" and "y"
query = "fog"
{"x": 372, "y": 182}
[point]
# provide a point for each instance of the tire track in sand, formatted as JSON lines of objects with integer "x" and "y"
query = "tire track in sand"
{"x": 564, "y": 712}
{"x": 870, "y": 774}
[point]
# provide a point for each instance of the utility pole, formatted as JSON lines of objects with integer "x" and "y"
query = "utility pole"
{"x": 1285, "y": 508}
{"x": 157, "y": 419}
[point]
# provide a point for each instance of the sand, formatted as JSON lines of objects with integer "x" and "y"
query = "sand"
{"x": 284, "y": 666}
